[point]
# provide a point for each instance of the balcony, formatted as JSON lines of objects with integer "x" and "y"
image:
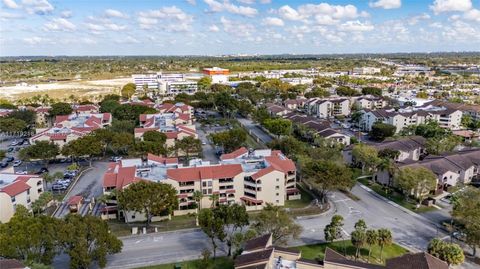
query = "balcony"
{"x": 250, "y": 184}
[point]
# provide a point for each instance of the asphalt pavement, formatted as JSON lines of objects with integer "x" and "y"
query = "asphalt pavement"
{"x": 255, "y": 130}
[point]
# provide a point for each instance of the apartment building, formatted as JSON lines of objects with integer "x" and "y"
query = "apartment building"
{"x": 295, "y": 103}
{"x": 67, "y": 128}
{"x": 180, "y": 108}
{"x": 217, "y": 74}
{"x": 409, "y": 149}
{"x": 470, "y": 110}
{"x": 175, "y": 126}
{"x": 165, "y": 84}
{"x": 366, "y": 70}
{"x": 260, "y": 253}
{"x": 41, "y": 116}
{"x": 370, "y": 102}
{"x": 401, "y": 118}
{"x": 249, "y": 178}
{"x": 17, "y": 190}
{"x": 328, "y": 108}
{"x": 450, "y": 169}
{"x": 85, "y": 109}
{"x": 276, "y": 110}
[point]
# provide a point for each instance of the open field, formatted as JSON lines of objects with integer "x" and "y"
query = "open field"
{"x": 60, "y": 90}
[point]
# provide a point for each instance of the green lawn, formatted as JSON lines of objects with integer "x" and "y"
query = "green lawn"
{"x": 301, "y": 203}
{"x": 394, "y": 196}
{"x": 317, "y": 251}
{"x": 120, "y": 228}
{"x": 219, "y": 263}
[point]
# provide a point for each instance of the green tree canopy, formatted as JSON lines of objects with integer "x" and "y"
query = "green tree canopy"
{"x": 40, "y": 150}
{"x": 12, "y": 125}
{"x": 60, "y": 109}
{"x": 449, "y": 252}
{"x": 418, "y": 181}
{"x": 279, "y": 126}
{"x": 128, "y": 90}
{"x": 147, "y": 197}
{"x": 229, "y": 140}
{"x": 380, "y": 131}
{"x": 87, "y": 146}
{"x": 466, "y": 211}
{"x": 275, "y": 220}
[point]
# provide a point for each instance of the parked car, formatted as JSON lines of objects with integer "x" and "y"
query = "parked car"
{"x": 3, "y": 164}
{"x": 10, "y": 159}
{"x": 41, "y": 171}
{"x": 21, "y": 172}
{"x": 14, "y": 143}
{"x": 58, "y": 187}
{"x": 115, "y": 158}
{"x": 17, "y": 163}
{"x": 10, "y": 149}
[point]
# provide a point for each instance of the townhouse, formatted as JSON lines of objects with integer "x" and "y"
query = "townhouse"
{"x": 293, "y": 104}
{"x": 451, "y": 169}
{"x": 276, "y": 110}
{"x": 320, "y": 127}
{"x": 243, "y": 177}
{"x": 85, "y": 109}
{"x": 401, "y": 118}
{"x": 179, "y": 108}
{"x": 370, "y": 102}
{"x": 67, "y": 128}
{"x": 470, "y": 110}
{"x": 260, "y": 253}
{"x": 409, "y": 148}
{"x": 328, "y": 108}
{"x": 18, "y": 190}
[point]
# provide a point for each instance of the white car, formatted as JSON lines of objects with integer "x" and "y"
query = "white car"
{"x": 17, "y": 163}
{"x": 21, "y": 172}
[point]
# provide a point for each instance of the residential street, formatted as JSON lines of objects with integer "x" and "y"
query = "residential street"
{"x": 409, "y": 230}
{"x": 250, "y": 126}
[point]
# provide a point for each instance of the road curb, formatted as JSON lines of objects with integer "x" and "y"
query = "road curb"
{"x": 159, "y": 233}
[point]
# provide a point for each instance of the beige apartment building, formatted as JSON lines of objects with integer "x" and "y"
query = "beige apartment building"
{"x": 252, "y": 179}
{"x": 328, "y": 108}
{"x": 17, "y": 190}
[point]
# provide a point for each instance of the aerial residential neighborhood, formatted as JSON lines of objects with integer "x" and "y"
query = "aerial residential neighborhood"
{"x": 240, "y": 134}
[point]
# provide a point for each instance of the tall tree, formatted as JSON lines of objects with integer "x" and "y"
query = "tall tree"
{"x": 384, "y": 239}
{"x": 12, "y": 125}
{"x": 327, "y": 176}
{"x": 418, "y": 181}
{"x": 449, "y": 252}
{"x": 229, "y": 140}
{"x": 334, "y": 230}
{"x": 359, "y": 236}
{"x": 128, "y": 90}
{"x": 371, "y": 240}
{"x": 234, "y": 217}
{"x": 212, "y": 227}
{"x": 147, "y": 197}
{"x": 275, "y": 220}
{"x": 86, "y": 146}
{"x": 366, "y": 155}
{"x": 380, "y": 131}
{"x": 278, "y": 127}
{"x": 189, "y": 145}
{"x": 60, "y": 109}
{"x": 86, "y": 240}
{"x": 466, "y": 211}
{"x": 41, "y": 150}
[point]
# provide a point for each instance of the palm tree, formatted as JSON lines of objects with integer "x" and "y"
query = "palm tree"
{"x": 372, "y": 239}
{"x": 384, "y": 239}
{"x": 214, "y": 198}
{"x": 197, "y": 196}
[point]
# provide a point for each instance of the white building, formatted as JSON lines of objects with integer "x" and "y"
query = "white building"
{"x": 401, "y": 118}
{"x": 165, "y": 84}
{"x": 328, "y": 107}
{"x": 218, "y": 75}
{"x": 366, "y": 70}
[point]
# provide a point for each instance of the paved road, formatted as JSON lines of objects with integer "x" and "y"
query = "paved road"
{"x": 89, "y": 185}
{"x": 410, "y": 230}
{"x": 256, "y": 130}
{"x": 208, "y": 149}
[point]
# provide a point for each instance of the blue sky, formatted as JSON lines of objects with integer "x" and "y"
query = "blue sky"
{"x": 214, "y": 27}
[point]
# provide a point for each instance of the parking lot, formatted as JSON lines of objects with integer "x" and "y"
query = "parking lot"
{"x": 11, "y": 146}
{"x": 209, "y": 150}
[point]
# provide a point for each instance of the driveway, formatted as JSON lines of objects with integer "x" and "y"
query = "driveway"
{"x": 208, "y": 149}
{"x": 89, "y": 185}
{"x": 255, "y": 130}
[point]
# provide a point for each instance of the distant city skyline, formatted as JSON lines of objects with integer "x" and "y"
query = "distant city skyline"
{"x": 221, "y": 27}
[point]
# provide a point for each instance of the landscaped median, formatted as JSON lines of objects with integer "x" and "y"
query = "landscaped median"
{"x": 315, "y": 251}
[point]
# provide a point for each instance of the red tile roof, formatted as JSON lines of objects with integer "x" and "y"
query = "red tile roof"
{"x": 249, "y": 199}
{"x": 124, "y": 177}
{"x": 161, "y": 159}
{"x": 235, "y": 154}
{"x": 207, "y": 172}
{"x": 15, "y": 188}
{"x": 260, "y": 173}
{"x": 75, "y": 200}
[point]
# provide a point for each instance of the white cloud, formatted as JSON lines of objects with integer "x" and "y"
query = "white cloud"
{"x": 386, "y": 4}
{"x": 115, "y": 27}
{"x": 191, "y": 2}
{"x": 450, "y": 5}
{"x": 34, "y": 40}
{"x": 171, "y": 16}
{"x": 272, "y": 21}
{"x": 89, "y": 41}
{"x": 59, "y": 25}
{"x": 10, "y": 4}
{"x": 5, "y": 16}
{"x": 66, "y": 14}
{"x": 40, "y": 7}
{"x": 248, "y": 2}
{"x": 128, "y": 40}
{"x": 216, "y": 6}
{"x": 265, "y": 1}
{"x": 472, "y": 15}
{"x": 415, "y": 19}
{"x": 323, "y": 12}
{"x": 461, "y": 31}
{"x": 213, "y": 28}
{"x": 356, "y": 26}
{"x": 237, "y": 28}
{"x": 113, "y": 13}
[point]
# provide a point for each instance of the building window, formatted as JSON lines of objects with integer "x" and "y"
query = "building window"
{"x": 204, "y": 191}
{"x": 13, "y": 199}
{"x": 39, "y": 183}
{"x": 28, "y": 200}
{"x": 277, "y": 187}
{"x": 277, "y": 194}
{"x": 40, "y": 190}
{"x": 209, "y": 191}
{"x": 278, "y": 179}
{"x": 133, "y": 217}
{"x": 209, "y": 183}
{"x": 204, "y": 184}
{"x": 277, "y": 201}
{"x": 28, "y": 192}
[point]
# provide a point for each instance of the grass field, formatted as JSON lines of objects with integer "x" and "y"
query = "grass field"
{"x": 394, "y": 196}
{"x": 308, "y": 251}
{"x": 301, "y": 203}
{"x": 317, "y": 251}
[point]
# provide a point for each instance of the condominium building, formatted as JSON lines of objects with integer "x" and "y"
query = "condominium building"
{"x": 17, "y": 190}
{"x": 260, "y": 253}
{"x": 70, "y": 127}
{"x": 328, "y": 108}
{"x": 243, "y": 177}
{"x": 401, "y": 118}
{"x": 175, "y": 126}
{"x": 165, "y": 84}
{"x": 366, "y": 70}
{"x": 218, "y": 75}
{"x": 370, "y": 102}
{"x": 467, "y": 110}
